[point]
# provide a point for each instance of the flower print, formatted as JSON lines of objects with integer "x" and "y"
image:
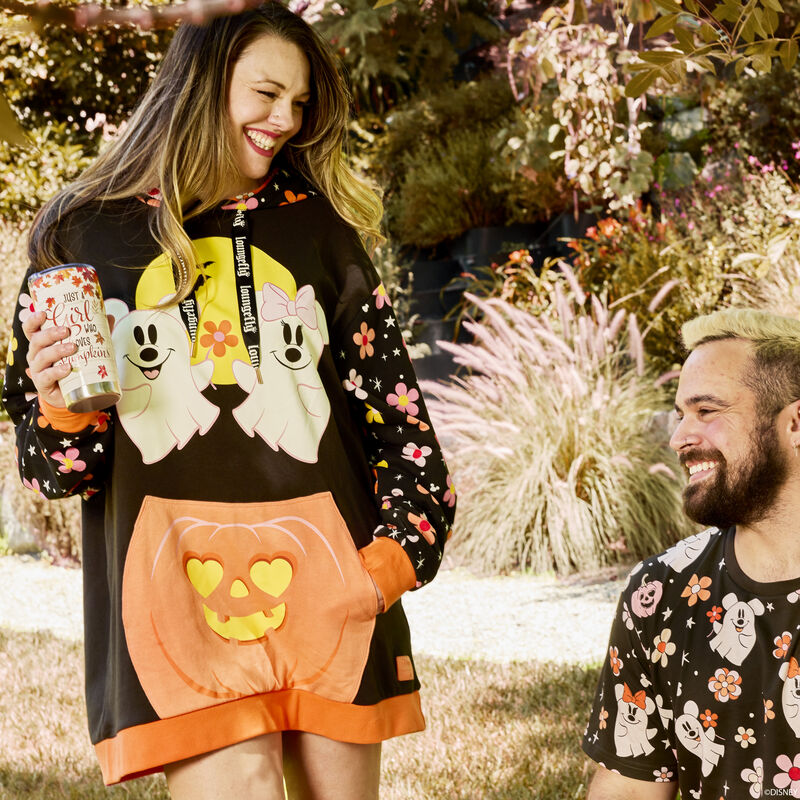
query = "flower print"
{"x": 715, "y": 615}
{"x": 768, "y": 712}
{"x": 603, "y": 715}
{"x": 423, "y": 526}
{"x": 220, "y": 338}
{"x": 663, "y": 775}
{"x": 755, "y": 777}
{"x": 28, "y": 309}
{"x": 697, "y": 589}
{"x": 373, "y": 415}
{"x": 353, "y": 383}
{"x": 33, "y": 485}
{"x": 364, "y": 339}
{"x": 416, "y": 454}
{"x": 243, "y": 204}
{"x": 790, "y": 775}
{"x": 745, "y": 736}
{"x": 663, "y": 648}
{"x": 782, "y": 643}
{"x": 614, "y": 660}
{"x": 403, "y": 398}
{"x": 726, "y": 684}
{"x": 381, "y": 297}
{"x": 626, "y": 617}
{"x": 708, "y": 719}
{"x": 69, "y": 460}
{"x": 450, "y": 494}
{"x": 101, "y": 423}
{"x": 291, "y": 197}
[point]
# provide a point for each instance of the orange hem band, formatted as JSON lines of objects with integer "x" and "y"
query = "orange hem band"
{"x": 62, "y": 419}
{"x": 390, "y": 568}
{"x": 144, "y": 749}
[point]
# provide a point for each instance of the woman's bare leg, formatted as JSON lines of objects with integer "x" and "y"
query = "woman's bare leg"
{"x": 317, "y": 768}
{"x": 249, "y": 770}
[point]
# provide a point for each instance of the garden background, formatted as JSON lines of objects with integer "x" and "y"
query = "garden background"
{"x": 564, "y": 187}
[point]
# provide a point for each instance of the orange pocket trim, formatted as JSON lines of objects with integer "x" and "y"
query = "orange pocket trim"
{"x": 144, "y": 749}
{"x": 389, "y": 567}
{"x": 62, "y": 419}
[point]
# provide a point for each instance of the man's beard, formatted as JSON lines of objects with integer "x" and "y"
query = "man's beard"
{"x": 738, "y": 494}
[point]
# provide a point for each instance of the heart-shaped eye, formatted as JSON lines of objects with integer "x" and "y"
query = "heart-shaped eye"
{"x": 273, "y": 576}
{"x": 204, "y": 575}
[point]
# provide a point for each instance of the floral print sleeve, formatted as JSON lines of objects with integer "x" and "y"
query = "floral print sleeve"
{"x": 58, "y": 452}
{"x": 627, "y": 730}
{"x": 413, "y": 489}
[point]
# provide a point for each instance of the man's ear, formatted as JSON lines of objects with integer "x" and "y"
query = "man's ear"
{"x": 794, "y": 422}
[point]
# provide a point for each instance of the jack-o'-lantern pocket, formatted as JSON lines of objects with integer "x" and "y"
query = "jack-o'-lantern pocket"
{"x": 225, "y": 600}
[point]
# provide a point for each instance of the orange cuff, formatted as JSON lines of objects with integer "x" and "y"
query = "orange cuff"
{"x": 62, "y": 419}
{"x": 389, "y": 567}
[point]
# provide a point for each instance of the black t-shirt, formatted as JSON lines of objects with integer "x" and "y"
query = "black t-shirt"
{"x": 702, "y": 683}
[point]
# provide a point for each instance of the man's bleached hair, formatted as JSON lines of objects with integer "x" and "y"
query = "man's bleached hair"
{"x": 774, "y": 372}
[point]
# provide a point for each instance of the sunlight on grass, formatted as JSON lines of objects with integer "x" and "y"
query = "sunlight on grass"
{"x": 495, "y": 731}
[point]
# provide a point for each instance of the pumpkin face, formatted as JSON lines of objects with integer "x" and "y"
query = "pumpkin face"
{"x": 645, "y": 599}
{"x": 222, "y": 601}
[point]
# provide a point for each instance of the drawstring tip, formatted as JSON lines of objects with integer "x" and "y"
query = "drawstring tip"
{"x": 258, "y": 375}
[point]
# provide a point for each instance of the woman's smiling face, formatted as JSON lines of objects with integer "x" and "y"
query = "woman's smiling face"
{"x": 268, "y": 93}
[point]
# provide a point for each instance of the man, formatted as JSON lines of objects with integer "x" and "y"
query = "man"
{"x": 701, "y": 687}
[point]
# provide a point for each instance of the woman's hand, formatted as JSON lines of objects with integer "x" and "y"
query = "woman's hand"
{"x": 46, "y": 347}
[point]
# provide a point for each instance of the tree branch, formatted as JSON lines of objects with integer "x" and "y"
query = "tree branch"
{"x": 144, "y": 17}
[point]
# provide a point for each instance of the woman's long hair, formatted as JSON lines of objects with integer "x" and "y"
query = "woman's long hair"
{"x": 179, "y": 139}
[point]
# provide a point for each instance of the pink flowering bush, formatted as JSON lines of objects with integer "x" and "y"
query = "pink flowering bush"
{"x": 549, "y": 436}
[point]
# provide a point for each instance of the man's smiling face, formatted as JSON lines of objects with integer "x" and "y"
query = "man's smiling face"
{"x": 735, "y": 462}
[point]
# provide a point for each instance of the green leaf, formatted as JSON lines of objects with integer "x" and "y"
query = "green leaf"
{"x": 692, "y": 6}
{"x": 669, "y": 6}
{"x": 660, "y": 56}
{"x": 788, "y": 53}
{"x": 762, "y": 63}
{"x": 382, "y": 4}
{"x": 749, "y": 28}
{"x": 685, "y": 40}
{"x": 759, "y": 23}
{"x": 708, "y": 33}
{"x": 640, "y": 83}
{"x": 740, "y": 64}
{"x": 773, "y": 4}
{"x": 10, "y": 130}
{"x": 661, "y": 25}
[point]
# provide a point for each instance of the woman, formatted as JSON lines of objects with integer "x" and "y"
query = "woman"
{"x": 268, "y": 484}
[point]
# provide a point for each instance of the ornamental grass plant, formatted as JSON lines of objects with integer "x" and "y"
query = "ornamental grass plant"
{"x": 553, "y": 440}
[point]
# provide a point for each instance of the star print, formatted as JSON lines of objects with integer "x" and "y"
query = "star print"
{"x": 666, "y": 614}
{"x": 46, "y": 485}
{"x": 602, "y": 692}
{"x": 392, "y": 534}
{"x": 396, "y": 351}
{"x": 770, "y": 607}
{"x": 684, "y": 658}
{"x": 377, "y": 384}
{"x": 276, "y": 187}
{"x": 390, "y": 322}
{"x": 690, "y": 623}
{"x": 399, "y": 428}
{"x": 398, "y": 477}
{"x": 20, "y": 381}
{"x": 31, "y": 449}
{"x": 65, "y": 442}
{"x": 384, "y": 356}
{"x": 725, "y": 787}
{"x": 666, "y": 743}
{"x": 595, "y": 737}
{"x": 420, "y": 563}
{"x": 722, "y": 563}
{"x": 342, "y": 354}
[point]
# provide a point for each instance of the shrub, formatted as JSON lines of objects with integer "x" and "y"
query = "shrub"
{"x": 758, "y": 115}
{"x": 551, "y": 441}
{"x": 692, "y": 257}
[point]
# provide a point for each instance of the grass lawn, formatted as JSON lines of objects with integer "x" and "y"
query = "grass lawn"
{"x": 495, "y": 732}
